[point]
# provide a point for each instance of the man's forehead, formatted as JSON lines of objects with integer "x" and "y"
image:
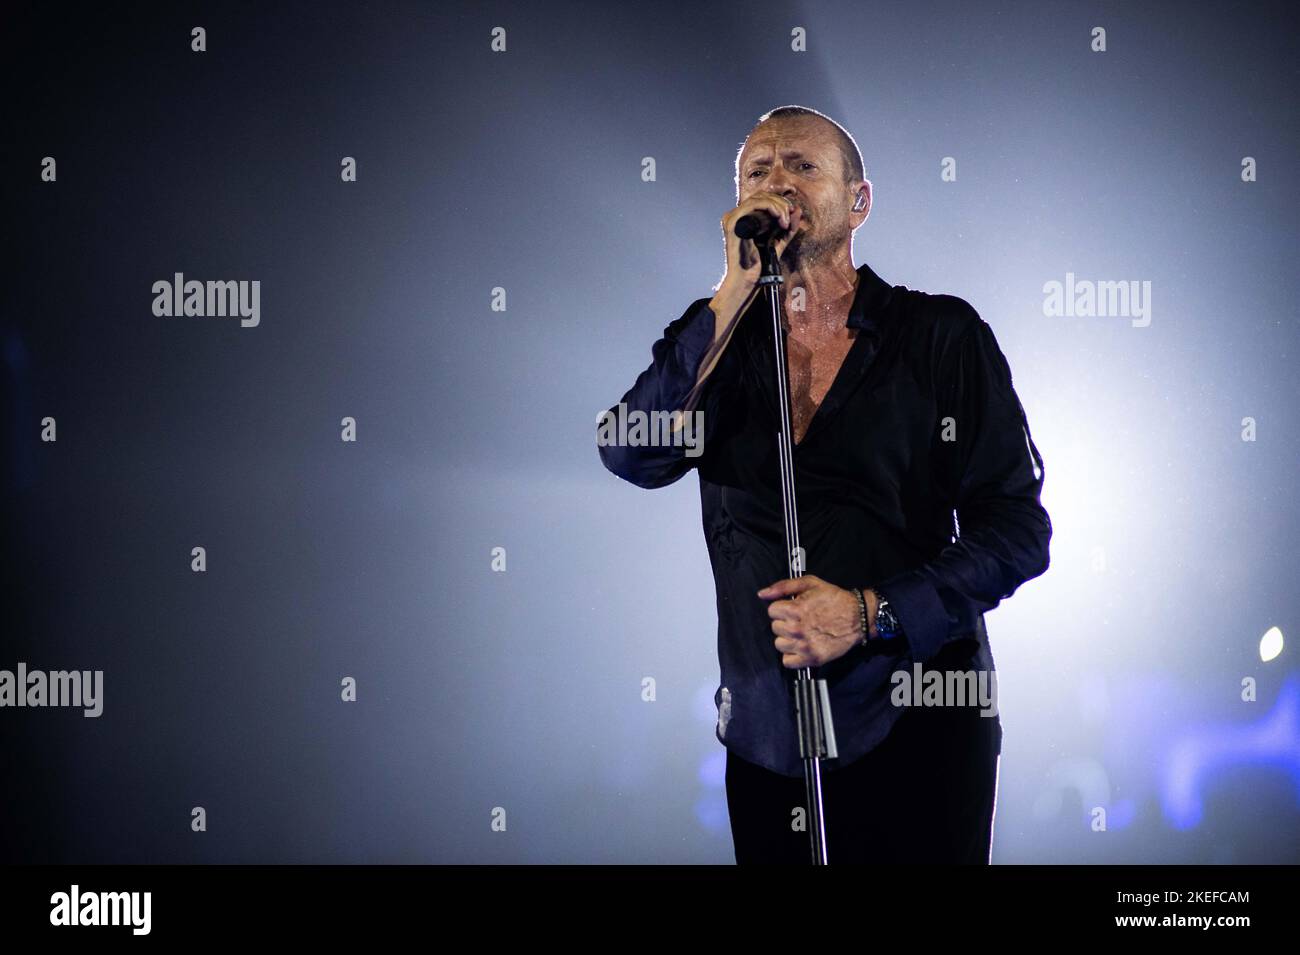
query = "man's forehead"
{"x": 801, "y": 134}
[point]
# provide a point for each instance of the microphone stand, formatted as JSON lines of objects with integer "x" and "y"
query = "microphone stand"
{"x": 811, "y": 698}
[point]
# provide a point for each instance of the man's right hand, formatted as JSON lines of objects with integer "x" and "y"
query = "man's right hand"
{"x": 744, "y": 264}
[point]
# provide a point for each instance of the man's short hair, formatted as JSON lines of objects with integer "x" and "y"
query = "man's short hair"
{"x": 850, "y": 154}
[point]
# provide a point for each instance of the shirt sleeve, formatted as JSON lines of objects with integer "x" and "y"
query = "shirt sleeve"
{"x": 631, "y": 437}
{"x": 1003, "y": 530}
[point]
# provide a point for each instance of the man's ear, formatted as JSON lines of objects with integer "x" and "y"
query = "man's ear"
{"x": 863, "y": 201}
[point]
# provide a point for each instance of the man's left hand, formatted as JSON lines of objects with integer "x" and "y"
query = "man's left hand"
{"x": 818, "y": 623}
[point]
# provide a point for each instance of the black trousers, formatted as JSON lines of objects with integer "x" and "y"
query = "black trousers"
{"x": 926, "y": 794}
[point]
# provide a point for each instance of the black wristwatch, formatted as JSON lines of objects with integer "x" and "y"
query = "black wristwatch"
{"x": 887, "y": 625}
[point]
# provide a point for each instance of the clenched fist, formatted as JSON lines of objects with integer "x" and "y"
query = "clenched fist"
{"x": 818, "y": 623}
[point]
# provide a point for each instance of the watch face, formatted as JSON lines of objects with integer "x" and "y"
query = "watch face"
{"x": 886, "y": 622}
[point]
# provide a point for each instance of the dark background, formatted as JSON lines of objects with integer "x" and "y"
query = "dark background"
{"x": 1119, "y": 670}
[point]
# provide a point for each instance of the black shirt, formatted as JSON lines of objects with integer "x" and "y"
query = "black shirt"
{"x": 920, "y": 426}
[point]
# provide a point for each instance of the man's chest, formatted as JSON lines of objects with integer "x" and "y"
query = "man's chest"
{"x": 814, "y": 363}
{"x": 862, "y": 418}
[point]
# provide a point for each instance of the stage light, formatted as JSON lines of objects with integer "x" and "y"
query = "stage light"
{"x": 1270, "y": 645}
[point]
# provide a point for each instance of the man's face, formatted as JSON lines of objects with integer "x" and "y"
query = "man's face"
{"x": 799, "y": 158}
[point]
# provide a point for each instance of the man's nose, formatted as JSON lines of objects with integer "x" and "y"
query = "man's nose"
{"x": 777, "y": 181}
{"x": 780, "y": 185}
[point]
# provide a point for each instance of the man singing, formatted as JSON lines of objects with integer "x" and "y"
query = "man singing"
{"x": 917, "y": 485}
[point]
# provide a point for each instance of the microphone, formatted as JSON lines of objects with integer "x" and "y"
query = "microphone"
{"x": 759, "y": 225}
